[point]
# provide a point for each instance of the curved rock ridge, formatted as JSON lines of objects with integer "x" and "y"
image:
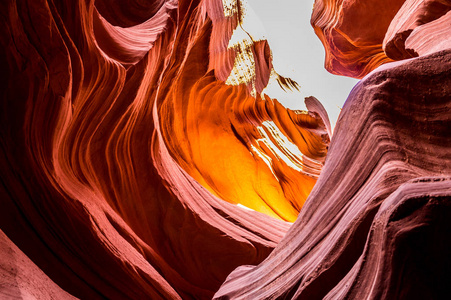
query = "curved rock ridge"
{"x": 419, "y": 28}
{"x": 128, "y": 45}
{"x": 20, "y": 278}
{"x": 359, "y": 36}
{"x": 123, "y": 132}
{"x": 352, "y": 33}
{"x": 376, "y": 224}
{"x": 431, "y": 37}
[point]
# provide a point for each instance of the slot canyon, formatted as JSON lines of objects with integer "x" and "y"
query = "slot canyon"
{"x": 140, "y": 157}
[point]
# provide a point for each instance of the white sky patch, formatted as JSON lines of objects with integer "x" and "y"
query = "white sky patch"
{"x": 251, "y": 22}
{"x": 297, "y": 52}
{"x": 299, "y": 55}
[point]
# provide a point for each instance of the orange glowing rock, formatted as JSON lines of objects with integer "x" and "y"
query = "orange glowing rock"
{"x": 244, "y": 150}
{"x": 124, "y": 129}
{"x": 140, "y": 158}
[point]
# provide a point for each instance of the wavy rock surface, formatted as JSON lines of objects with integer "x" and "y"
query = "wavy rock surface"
{"x": 359, "y": 36}
{"x": 431, "y": 37}
{"x": 352, "y": 33}
{"x": 20, "y": 278}
{"x": 124, "y": 127}
{"x": 377, "y": 223}
{"x": 132, "y": 135}
{"x": 413, "y": 20}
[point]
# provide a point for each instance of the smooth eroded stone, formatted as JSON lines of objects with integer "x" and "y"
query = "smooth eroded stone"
{"x": 413, "y": 16}
{"x": 376, "y": 224}
{"x": 138, "y": 158}
{"x": 352, "y": 32}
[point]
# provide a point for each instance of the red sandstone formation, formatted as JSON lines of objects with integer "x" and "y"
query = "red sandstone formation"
{"x": 358, "y": 37}
{"x": 352, "y": 32}
{"x": 124, "y": 129}
{"x": 419, "y": 28}
{"x": 20, "y": 278}
{"x": 377, "y": 224}
{"x": 131, "y": 131}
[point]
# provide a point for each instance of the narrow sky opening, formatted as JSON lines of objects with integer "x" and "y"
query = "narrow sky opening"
{"x": 299, "y": 55}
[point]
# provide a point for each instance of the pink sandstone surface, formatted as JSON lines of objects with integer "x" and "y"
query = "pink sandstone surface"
{"x": 140, "y": 159}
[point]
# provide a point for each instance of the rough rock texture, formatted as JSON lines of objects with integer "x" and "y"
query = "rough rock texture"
{"x": 376, "y": 225}
{"x": 124, "y": 127}
{"x": 21, "y": 278}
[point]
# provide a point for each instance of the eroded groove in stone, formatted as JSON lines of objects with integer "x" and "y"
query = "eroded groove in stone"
{"x": 132, "y": 147}
{"x": 140, "y": 160}
{"x": 382, "y": 192}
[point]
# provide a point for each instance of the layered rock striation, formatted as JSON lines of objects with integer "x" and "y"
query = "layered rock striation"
{"x": 376, "y": 225}
{"x": 358, "y": 37}
{"x": 130, "y": 132}
{"x": 135, "y": 137}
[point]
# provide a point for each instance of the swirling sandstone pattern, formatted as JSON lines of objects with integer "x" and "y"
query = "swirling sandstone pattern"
{"x": 120, "y": 141}
{"x": 352, "y": 33}
{"x": 130, "y": 131}
{"x": 380, "y": 32}
{"x": 413, "y": 20}
{"x": 376, "y": 225}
